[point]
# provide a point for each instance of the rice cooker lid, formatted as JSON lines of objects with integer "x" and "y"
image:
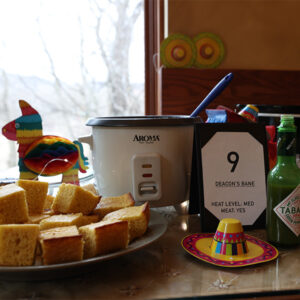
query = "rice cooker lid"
{"x": 136, "y": 121}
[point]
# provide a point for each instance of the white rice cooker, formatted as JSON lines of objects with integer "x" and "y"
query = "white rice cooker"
{"x": 149, "y": 156}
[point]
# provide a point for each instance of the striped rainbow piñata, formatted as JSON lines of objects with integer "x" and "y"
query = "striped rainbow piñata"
{"x": 46, "y": 155}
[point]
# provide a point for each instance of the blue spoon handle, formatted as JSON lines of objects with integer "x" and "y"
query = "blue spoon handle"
{"x": 214, "y": 93}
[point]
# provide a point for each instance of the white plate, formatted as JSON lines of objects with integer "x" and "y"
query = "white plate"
{"x": 157, "y": 227}
{"x": 12, "y": 175}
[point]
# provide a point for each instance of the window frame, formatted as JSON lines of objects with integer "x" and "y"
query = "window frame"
{"x": 154, "y": 21}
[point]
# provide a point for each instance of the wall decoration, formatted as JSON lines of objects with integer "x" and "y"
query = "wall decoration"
{"x": 46, "y": 155}
{"x": 210, "y": 50}
{"x": 205, "y": 51}
{"x": 177, "y": 51}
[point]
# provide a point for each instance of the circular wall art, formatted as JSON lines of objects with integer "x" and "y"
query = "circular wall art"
{"x": 210, "y": 50}
{"x": 178, "y": 51}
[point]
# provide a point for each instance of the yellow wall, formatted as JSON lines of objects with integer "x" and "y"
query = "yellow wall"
{"x": 257, "y": 34}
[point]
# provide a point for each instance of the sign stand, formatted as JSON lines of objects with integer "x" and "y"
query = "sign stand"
{"x": 230, "y": 165}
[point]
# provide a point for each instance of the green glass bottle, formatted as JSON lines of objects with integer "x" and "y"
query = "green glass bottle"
{"x": 283, "y": 186}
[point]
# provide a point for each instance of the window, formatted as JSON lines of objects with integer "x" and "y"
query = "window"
{"x": 70, "y": 60}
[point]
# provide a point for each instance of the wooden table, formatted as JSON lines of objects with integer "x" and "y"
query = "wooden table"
{"x": 163, "y": 270}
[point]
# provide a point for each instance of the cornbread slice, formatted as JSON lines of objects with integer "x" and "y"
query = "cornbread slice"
{"x": 61, "y": 244}
{"x": 48, "y": 202}
{"x": 85, "y": 220}
{"x": 61, "y": 220}
{"x": 137, "y": 217}
{"x": 72, "y": 198}
{"x": 36, "y": 219}
{"x": 13, "y": 205}
{"x": 104, "y": 237}
{"x": 36, "y": 192}
{"x": 110, "y": 204}
{"x": 18, "y": 244}
{"x": 90, "y": 187}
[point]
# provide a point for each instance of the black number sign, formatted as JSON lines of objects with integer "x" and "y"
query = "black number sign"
{"x": 233, "y": 158}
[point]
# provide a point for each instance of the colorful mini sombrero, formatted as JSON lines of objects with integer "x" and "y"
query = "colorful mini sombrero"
{"x": 229, "y": 246}
{"x": 210, "y": 50}
{"x": 177, "y": 51}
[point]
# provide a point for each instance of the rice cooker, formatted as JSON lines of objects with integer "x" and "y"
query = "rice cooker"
{"x": 149, "y": 156}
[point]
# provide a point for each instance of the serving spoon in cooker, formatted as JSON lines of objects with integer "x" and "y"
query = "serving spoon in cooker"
{"x": 214, "y": 93}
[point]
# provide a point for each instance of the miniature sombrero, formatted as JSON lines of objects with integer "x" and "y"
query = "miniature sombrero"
{"x": 229, "y": 246}
{"x": 177, "y": 51}
{"x": 210, "y": 50}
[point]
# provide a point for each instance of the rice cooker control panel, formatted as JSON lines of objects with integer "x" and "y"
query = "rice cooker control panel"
{"x": 146, "y": 176}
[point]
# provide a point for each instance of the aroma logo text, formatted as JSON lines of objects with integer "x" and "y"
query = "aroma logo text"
{"x": 149, "y": 139}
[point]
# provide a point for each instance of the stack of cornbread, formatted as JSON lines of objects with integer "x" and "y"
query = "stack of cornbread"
{"x": 77, "y": 223}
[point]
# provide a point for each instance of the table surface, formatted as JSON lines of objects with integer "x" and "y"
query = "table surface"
{"x": 164, "y": 270}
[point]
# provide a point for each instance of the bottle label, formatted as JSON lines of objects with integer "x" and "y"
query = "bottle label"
{"x": 289, "y": 211}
